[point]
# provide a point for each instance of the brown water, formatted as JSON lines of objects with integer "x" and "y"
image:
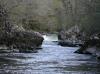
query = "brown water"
{"x": 52, "y": 59}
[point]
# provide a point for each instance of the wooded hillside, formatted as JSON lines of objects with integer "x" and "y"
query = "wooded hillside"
{"x": 53, "y": 15}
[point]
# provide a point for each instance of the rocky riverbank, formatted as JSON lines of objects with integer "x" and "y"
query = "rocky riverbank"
{"x": 91, "y": 46}
{"x": 71, "y": 38}
{"x": 20, "y": 41}
{"x": 87, "y": 44}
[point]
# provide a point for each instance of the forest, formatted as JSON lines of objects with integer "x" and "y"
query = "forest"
{"x": 53, "y": 15}
{"x": 49, "y": 36}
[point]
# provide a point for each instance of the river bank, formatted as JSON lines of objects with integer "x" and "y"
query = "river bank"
{"x": 91, "y": 46}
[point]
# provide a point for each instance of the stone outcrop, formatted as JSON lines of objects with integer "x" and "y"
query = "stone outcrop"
{"x": 21, "y": 40}
{"x": 72, "y": 37}
{"x": 91, "y": 46}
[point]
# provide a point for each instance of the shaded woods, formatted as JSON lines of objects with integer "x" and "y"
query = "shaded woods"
{"x": 54, "y": 15}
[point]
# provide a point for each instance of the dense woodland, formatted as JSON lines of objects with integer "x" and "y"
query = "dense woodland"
{"x": 53, "y": 15}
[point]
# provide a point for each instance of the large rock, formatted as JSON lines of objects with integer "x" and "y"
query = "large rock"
{"x": 67, "y": 40}
{"x": 91, "y": 46}
{"x": 24, "y": 41}
{"x": 61, "y": 35}
{"x": 72, "y": 37}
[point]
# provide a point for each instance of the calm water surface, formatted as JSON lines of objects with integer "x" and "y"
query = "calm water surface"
{"x": 52, "y": 59}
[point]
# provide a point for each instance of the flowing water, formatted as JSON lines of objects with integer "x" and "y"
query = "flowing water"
{"x": 52, "y": 59}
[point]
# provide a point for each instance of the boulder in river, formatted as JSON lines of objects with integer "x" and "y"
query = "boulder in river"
{"x": 91, "y": 46}
{"x": 23, "y": 41}
{"x": 71, "y": 38}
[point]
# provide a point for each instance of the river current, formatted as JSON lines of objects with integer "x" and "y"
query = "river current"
{"x": 52, "y": 59}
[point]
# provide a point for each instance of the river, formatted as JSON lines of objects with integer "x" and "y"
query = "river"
{"x": 52, "y": 59}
